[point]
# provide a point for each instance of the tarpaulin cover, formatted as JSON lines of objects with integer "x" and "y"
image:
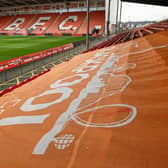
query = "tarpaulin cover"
{"x": 102, "y": 109}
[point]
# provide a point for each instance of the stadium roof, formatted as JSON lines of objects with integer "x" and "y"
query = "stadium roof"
{"x": 151, "y": 2}
{"x": 11, "y": 3}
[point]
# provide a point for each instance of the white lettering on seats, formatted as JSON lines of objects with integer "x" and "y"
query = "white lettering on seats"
{"x": 62, "y": 26}
{"x": 15, "y": 24}
{"x": 40, "y": 22}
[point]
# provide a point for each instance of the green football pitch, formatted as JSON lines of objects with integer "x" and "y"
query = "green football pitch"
{"x": 15, "y": 46}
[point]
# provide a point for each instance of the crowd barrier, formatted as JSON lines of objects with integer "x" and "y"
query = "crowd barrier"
{"x": 22, "y": 83}
{"x": 49, "y": 34}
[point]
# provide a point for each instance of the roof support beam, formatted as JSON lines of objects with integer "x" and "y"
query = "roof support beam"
{"x": 150, "y": 2}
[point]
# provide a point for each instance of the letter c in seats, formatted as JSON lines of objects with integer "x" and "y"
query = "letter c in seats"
{"x": 69, "y": 18}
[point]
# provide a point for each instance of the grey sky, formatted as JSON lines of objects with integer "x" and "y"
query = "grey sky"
{"x": 141, "y": 12}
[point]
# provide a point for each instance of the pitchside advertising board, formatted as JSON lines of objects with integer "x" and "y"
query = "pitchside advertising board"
{"x": 83, "y": 113}
{"x": 5, "y": 65}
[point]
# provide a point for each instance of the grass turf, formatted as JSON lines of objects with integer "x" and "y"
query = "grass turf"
{"x": 15, "y": 46}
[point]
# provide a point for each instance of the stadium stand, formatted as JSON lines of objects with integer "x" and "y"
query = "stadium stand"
{"x": 68, "y": 23}
{"x": 52, "y": 23}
